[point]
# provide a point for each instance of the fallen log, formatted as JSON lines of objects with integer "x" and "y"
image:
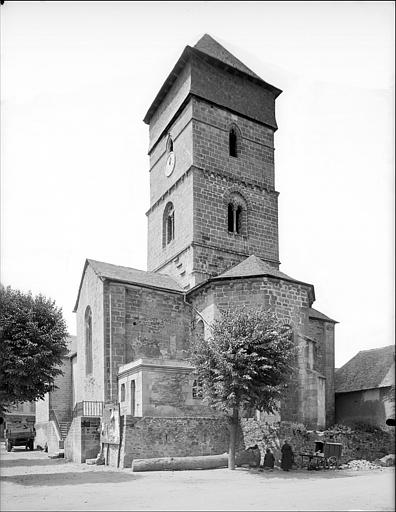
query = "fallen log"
{"x": 181, "y": 463}
{"x": 248, "y": 457}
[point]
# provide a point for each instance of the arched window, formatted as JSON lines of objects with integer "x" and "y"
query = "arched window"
{"x": 168, "y": 233}
{"x": 88, "y": 341}
{"x": 234, "y": 141}
{"x": 237, "y": 214}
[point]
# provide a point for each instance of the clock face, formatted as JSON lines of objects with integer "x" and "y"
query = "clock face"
{"x": 170, "y": 164}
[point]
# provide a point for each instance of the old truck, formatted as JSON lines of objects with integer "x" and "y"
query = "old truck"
{"x": 19, "y": 431}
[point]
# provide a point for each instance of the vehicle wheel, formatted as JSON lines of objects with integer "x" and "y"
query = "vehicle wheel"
{"x": 31, "y": 445}
{"x": 332, "y": 462}
{"x": 9, "y": 446}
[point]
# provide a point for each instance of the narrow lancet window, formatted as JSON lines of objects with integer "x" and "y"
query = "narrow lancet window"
{"x": 88, "y": 341}
{"x": 233, "y": 142}
{"x": 168, "y": 224}
{"x": 230, "y": 217}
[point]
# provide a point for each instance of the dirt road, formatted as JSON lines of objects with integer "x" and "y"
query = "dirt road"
{"x": 32, "y": 481}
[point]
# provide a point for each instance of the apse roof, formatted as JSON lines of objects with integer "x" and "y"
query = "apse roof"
{"x": 253, "y": 266}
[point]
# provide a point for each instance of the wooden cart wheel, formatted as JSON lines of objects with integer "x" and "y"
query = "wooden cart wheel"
{"x": 332, "y": 462}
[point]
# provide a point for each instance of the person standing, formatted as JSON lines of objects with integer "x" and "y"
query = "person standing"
{"x": 287, "y": 456}
{"x": 269, "y": 459}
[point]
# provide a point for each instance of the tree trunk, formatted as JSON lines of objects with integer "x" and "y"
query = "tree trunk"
{"x": 233, "y": 436}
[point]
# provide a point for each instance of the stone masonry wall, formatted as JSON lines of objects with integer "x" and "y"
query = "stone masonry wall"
{"x": 173, "y": 437}
{"x": 366, "y": 406}
{"x": 182, "y": 199}
{"x": 169, "y": 106}
{"x": 169, "y": 393}
{"x": 83, "y": 439}
{"x": 232, "y": 91}
{"x": 291, "y": 301}
{"x": 323, "y": 333}
{"x": 211, "y": 193}
{"x": 255, "y": 160}
{"x": 61, "y": 397}
{"x": 144, "y": 323}
{"x": 182, "y": 137}
{"x": 72, "y": 443}
{"x": 357, "y": 444}
{"x": 90, "y": 386}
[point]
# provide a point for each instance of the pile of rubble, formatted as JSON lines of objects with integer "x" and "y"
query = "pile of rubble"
{"x": 360, "y": 465}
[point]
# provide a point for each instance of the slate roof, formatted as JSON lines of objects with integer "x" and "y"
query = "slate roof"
{"x": 214, "y": 49}
{"x": 314, "y": 313}
{"x": 134, "y": 276}
{"x": 367, "y": 370}
{"x": 130, "y": 276}
{"x": 253, "y": 266}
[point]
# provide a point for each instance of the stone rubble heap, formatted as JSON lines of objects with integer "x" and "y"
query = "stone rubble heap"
{"x": 360, "y": 465}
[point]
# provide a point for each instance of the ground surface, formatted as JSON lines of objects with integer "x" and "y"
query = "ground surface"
{"x": 32, "y": 481}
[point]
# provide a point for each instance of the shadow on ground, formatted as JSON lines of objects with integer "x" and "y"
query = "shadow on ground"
{"x": 13, "y": 463}
{"x": 302, "y": 474}
{"x": 70, "y": 478}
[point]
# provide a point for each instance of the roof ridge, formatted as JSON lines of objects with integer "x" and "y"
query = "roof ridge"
{"x": 207, "y": 44}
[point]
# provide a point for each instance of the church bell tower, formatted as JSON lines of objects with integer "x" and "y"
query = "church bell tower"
{"x": 213, "y": 201}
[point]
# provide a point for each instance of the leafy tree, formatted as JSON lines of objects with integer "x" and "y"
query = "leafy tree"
{"x": 33, "y": 337}
{"x": 246, "y": 362}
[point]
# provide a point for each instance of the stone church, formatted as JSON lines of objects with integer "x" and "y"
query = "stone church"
{"x": 212, "y": 244}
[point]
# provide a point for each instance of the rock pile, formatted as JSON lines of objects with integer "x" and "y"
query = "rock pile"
{"x": 360, "y": 465}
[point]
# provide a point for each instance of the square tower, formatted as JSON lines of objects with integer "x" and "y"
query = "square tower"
{"x": 213, "y": 201}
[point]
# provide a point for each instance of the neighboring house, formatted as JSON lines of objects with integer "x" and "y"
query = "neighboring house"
{"x": 364, "y": 388}
{"x": 212, "y": 244}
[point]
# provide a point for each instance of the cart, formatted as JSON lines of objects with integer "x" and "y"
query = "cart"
{"x": 325, "y": 456}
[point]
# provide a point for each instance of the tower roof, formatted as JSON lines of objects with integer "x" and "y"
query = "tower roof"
{"x": 211, "y": 47}
{"x": 212, "y": 51}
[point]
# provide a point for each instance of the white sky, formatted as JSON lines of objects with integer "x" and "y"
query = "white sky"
{"x": 77, "y": 80}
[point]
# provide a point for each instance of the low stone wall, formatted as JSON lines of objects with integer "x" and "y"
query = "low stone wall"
{"x": 83, "y": 439}
{"x": 356, "y": 444}
{"x": 72, "y": 442}
{"x": 150, "y": 437}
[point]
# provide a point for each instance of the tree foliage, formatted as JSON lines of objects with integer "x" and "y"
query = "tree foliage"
{"x": 33, "y": 340}
{"x": 245, "y": 362}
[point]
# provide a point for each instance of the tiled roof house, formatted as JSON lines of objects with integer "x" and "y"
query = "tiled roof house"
{"x": 363, "y": 387}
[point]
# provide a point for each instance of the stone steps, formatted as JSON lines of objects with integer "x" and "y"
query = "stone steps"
{"x": 64, "y": 427}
